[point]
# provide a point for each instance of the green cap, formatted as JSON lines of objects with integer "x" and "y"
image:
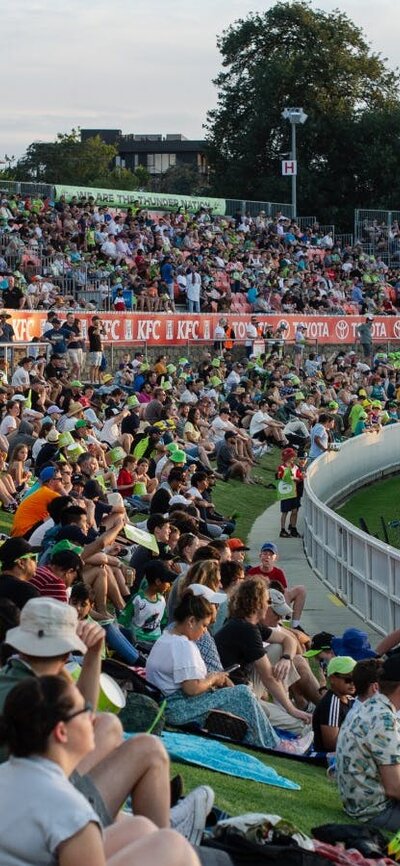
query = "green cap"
{"x": 183, "y": 361}
{"x": 144, "y": 367}
{"x": 299, "y": 395}
{"x": 66, "y": 439}
{"x": 76, "y": 384}
{"x": 66, "y": 545}
{"x": 172, "y": 447}
{"x": 167, "y": 386}
{"x": 340, "y": 665}
{"x": 81, "y": 424}
{"x": 333, "y": 405}
{"x": 132, "y": 401}
{"x": 216, "y": 362}
{"x": 215, "y": 381}
{"x": 171, "y": 369}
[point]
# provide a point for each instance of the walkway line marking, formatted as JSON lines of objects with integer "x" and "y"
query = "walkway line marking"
{"x": 335, "y": 600}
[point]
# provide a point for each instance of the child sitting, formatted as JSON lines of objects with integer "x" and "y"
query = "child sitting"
{"x": 148, "y": 606}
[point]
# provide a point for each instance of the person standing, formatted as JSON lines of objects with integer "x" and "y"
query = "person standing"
{"x": 95, "y": 333}
{"x": 364, "y": 333}
{"x": 193, "y": 286}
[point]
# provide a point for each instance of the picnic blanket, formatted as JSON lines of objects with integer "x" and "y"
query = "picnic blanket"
{"x": 216, "y": 756}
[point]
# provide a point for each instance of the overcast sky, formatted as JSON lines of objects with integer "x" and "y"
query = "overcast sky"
{"x": 143, "y": 66}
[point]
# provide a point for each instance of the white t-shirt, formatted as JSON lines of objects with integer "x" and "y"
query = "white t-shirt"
{"x": 38, "y": 535}
{"x": 109, "y": 432}
{"x": 8, "y": 425}
{"x": 173, "y": 659}
{"x": 258, "y": 422}
{"x": 20, "y": 378}
{"x": 33, "y": 827}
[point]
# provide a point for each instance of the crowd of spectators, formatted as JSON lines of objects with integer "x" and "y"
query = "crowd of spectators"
{"x": 87, "y": 256}
{"x": 116, "y": 547}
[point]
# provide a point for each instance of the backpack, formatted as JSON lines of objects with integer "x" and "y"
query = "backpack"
{"x": 142, "y": 714}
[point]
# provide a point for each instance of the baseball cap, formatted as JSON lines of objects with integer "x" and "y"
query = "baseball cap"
{"x": 78, "y": 479}
{"x": 47, "y": 628}
{"x": 288, "y": 452}
{"x": 52, "y": 409}
{"x": 341, "y": 665}
{"x": 66, "y": 544}
{"x": 76, "y": 384}
{"x": 82, "y": 423}
{"x": 207, "y": 593}
{"x": 320, "y": 642}
{"x": 236, "y": 544}
{"x": 48, "y": 473}
{"x": 13, "y": 549}
{"x": 333, "y": 404}
{"x": 354, "y": 643}
{"x": 278, "y": 603}
{"x": 132, "y": 401}
{"x": 157, "y": 568}
{"x": 269, "y": 545}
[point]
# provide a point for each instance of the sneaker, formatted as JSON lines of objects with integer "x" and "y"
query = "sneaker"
{"x": 284, "y": 534}
{"x": 189, "y": 816}
{"x": 294, "y": 533}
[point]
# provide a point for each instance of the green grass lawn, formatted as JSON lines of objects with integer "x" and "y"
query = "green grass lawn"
{"x": 248, "y": 501}
{"x": 373, "y": 502}
{"x": 316, "y": 803}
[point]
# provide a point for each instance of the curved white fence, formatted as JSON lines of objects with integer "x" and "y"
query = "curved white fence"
{"x": 362, "y": 571}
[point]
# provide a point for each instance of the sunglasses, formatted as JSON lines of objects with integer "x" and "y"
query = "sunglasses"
{"x": 87, "y": 708}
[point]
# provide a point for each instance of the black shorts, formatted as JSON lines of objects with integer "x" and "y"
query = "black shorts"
{"x": 289, "y": 504}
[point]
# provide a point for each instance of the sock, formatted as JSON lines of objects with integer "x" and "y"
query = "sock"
{"x": 295, "y": 623}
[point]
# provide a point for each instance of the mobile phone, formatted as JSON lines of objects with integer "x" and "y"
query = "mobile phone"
{"x": 231, "y": 669}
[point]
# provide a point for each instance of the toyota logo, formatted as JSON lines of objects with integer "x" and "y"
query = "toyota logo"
{"x": 396, "y": 329}
{"x": 342, "y": 330}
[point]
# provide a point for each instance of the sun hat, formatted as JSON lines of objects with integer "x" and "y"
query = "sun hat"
{"x": 320, "y": 642}
{"x": 215, "y": 381}
{"x": 269, "y": 545}
{"x": 207, "y": 593}
{"x": 340, "y": 665}
{"x": 288, "y": 452}
{"x": 178, "y": 456}
{"x": 215, "y": 362}
{"x": 47, "y": 628}
{"x": 19, "y": 397}
{"x": 354, "y": 643}
{"x": 74, "y": 408}
{"x": 172, "y": 447}
{"x": 53, "y": 409}
{"x": 278, "y": 603}
{"x": 53, "y": 435}
{"x": 236, "y": 544}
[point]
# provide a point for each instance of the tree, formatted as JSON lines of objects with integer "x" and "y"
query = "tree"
{"x": 183, "y": 180}
{"x": 68, "y": 160}
{"x": 293, "y": 55}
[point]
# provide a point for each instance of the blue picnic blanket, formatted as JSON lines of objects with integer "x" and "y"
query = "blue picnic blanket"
{"x": 216, "y": 756}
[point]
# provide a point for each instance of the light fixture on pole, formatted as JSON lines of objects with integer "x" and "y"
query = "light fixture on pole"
{"x": 289, "y": 167}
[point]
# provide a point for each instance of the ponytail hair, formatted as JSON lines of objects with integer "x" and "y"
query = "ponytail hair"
{"x": 31, "y": 711}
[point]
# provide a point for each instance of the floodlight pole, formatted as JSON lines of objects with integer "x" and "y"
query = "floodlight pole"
{"x": 294, "y": 116}
{"x": 294, "y": 176}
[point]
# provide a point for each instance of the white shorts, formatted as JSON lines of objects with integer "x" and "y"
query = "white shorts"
{"x": 95, "y": 359}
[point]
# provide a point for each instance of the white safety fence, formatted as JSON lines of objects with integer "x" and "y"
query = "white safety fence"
{"x": 361, "y": 570}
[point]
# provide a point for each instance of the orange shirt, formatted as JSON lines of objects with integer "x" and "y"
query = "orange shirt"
{"x": 32, "y": 510}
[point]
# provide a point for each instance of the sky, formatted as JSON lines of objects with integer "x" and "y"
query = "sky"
{"x": 142, "y": 66}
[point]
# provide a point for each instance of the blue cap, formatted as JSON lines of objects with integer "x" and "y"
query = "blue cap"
{"x": 47, "y": 473}
{"x": 269, "y": 545}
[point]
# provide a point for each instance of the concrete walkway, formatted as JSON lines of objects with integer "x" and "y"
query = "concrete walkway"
{"x": 323, "y": 611}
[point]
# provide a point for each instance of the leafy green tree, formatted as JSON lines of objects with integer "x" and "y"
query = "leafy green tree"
{"x": 183, "y": 180}
{"x": 67, "y": 160}
{"x": 294, "y": 55}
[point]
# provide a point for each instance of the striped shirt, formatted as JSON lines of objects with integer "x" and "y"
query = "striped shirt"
{"x": 48, "y": 584}
{"x": 331, "y": 711}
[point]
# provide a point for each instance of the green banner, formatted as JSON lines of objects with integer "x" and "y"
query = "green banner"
{"x": 150, "y": 200}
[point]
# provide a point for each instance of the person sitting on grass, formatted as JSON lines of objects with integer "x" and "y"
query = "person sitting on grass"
{"x": 333, "y": 707}
{"x": 148, "y": 606}
{"x": 228, "y": 464}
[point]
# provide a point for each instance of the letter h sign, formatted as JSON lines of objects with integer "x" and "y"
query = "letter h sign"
{"x": 289, "y": 167}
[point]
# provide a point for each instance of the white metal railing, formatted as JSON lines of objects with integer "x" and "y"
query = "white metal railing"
{"x": 363, "y": 571}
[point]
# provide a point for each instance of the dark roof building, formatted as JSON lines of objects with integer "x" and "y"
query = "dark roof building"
{"x": 157, "y": 153}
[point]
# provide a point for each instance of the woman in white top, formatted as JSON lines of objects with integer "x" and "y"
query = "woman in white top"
{"x": 176, "y": 667}
{"x": 48, "y": 729}
{"x": 11, "y": 422}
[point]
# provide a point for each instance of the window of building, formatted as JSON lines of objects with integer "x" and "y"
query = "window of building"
{"x": 158, "y": 163}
